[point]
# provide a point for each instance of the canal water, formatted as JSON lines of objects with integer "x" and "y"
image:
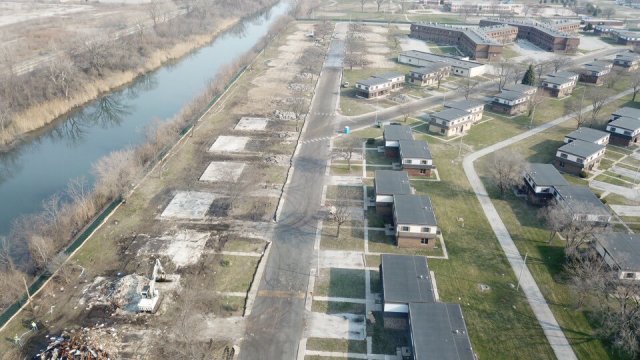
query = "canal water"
{"x": 43, "y": 165}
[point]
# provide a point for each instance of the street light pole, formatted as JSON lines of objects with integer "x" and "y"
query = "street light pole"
{"x": 522, "y": 269}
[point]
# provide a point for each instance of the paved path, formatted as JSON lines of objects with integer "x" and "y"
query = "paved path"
{"x": 552, "y": 330}
{"x": 631, "y": 194}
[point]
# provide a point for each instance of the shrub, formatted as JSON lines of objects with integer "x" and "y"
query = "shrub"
{"x": 584, "y": 174}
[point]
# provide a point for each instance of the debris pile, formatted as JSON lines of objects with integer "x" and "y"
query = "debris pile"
{"x": 284, "y": 115}
{"x": 401, "y": 98}
{"x": 88, "y": 344}
{"x": 281, "y": 160}
{"x": 303, "y": 76}
{"x": 122, "y": 292}
{"x": 300, "y": 88}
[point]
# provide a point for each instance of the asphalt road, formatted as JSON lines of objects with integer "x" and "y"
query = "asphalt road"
{"x": 276, "y": 323}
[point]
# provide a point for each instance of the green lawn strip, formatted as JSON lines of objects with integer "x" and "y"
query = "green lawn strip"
{"x": 335, "y": 307}
{"x": 343, "y": 192}
{"x": 613, "y": 154}
{"x": 615, "y": 199}
{"x": 623, "y": 165}
{"x": 631, "y": 161}
{"x": 351, "y": 238}
{"x": 606, "y": 164}
{"x": 336, "y": 282}
{"x": 341, "y": 169}
{"x": 508, "y": 52}
{"x": 381, "y": 243}
{"x": 337, "y": 345}
{"x": 575, "y": 180}
{"x": 612, "y": 180}
{"x": 386, "y": 341}
{"x": 632, "y": 219}
{"x": 245, "y": 245}
{"x": 235, "y": 273}
{"x": 375, "y": 220}
{"x": 351, "y": 106}
{"x": 372, "y": 260}
{"x": 378, "y": 158}
{"x": 374, "y": 281}
{"x": 369, "y": 133}
{"x": 630, "y": 181}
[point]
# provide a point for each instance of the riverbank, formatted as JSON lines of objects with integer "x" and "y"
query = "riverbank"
{"x": 39, "y": 116}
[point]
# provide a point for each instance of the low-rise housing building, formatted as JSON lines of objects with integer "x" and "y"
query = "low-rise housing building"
{"x": 474, "y": 107}
{"x": 589, "y": 135}
{"x": 595, "y": 72}
{"x": 438, "y": 331}
{"x": 510, "y": 102}
{"x": 582, "y": 203}
{"x": 459, "y": 66}
{"x": 621, "y": 251}
{"x": 416, "y": 158}
{"x": 483, "y": 8}
{"x": 521, "y": 88}
{"x": 628, "y": 61}
{"x": 379, "y": 85}
{"x": 387, "y": 184}
{"x": 559, "y": 86}
{"x": 624, "y": 130}
{"x": 540, "y": 181}
{"x": 405, "y": 279}
{"x": 450, "y": 122}
{"x": 624, "y": 37}
{"x": 578, "y": 156}
{"x": 626, "y": 111}
{"x": 556, "y": 36}
{"x": 391, "y": 135}
{"x": 415, "y": 221}
{"x": 430, "y": 74}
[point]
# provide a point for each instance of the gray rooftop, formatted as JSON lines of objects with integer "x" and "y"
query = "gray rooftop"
{"x": 624, "y": 249}
{"x": 476, "y": 35}
{"x": 625, "y": 122}
{"x": 389, "y": 75}
{"x": 464, "y": 105}
{"x": 413, "y": 210}
{"x": 628, "y": 57}
{"x": 597, "y": 66}
{"x": 628, "y": 35}
{"x": 438, "y": 331}
{"x": 581, "y": 148}
{"x": 415, "y": 149}
{"x": 546, "y": 175}
{"x": 372, "y": 81}
{"x": 587, "y": 134}
{"x": 564, "y": 74}
{"x": 519, "y": 88}
{"x": 450, "y": 114}
{"x": 628, "y": 112}
{"x": 451, "y": 60}
{"x": 558, "y": 80}
{"x": 406, "y": 279}
{"x": 391, "y": 182}
{"x": 581, "y": 200}
{"x": 397, "y": 132}
{"x": 546, "y": 28}
{"x": 511, "y": 95}
{"x": 430, "y": 68}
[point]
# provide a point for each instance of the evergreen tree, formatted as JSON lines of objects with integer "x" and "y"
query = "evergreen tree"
{"x": 529, "y": 77}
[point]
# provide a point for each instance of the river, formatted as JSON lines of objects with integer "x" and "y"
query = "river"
{"x": 44, "y": 163}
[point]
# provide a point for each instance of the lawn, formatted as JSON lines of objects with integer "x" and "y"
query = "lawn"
{"x": 350, "y": 239}
{"x": 334, "y": 307}
{"x": 336, "y": 282}
{"x": 232, "y": 274}
{"x": 380, "y": 243}
{"x": 337, "y": 345}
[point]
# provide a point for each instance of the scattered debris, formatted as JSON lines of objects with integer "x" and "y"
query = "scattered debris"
{"x": 303, "y": 76}
{"x": 298, "y": 87}
{"x": 284, "y": 115}
{"x": 88, "y": 344}
{"x": 484, "y": 287}
{"x": 281, "y": 160}
{"x": 401, "y": 98}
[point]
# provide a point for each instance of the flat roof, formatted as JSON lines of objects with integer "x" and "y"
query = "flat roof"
{"x": 391, "y": 182}
{"x": 450, "y": 114}
{"x": 546, "y": 175}
{"x": 416, "y": 149}
{"x": 546, "y": 28}
{"x": 406, "y": 279}
{"x": 558, "y": 80}
{"x": 510, "y": 95}
{"x": 628, "y": 112}
{"x": 580, "y": 197}
{"x": 453, "y": 61}
{"x": 587, "y": 134}
{"x": 597, "y": 66}
{"x": 624, "y": 248}
{"x": 628, "y": 57}
{"x": 397, "y": 132}
{"x": 519, "y": 88}
{"x": 465, "y": 105}
{"x": 474, "y": 34}
{"x": 372, "y": 81}
{"x": 564, "y": 74}
{"x": 581, "y": 148}
{"x": 626, "y": 122}
{"x": 438, "y": 331}
{"x": 413, "y": 210}
{"x": 430, "y": 68}
{"x": 389, "y": 75}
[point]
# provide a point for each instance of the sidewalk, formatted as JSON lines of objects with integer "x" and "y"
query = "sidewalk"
{"x": 552, "y": 330}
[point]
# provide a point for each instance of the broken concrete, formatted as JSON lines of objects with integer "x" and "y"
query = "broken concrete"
{"x": 222, "y": 171}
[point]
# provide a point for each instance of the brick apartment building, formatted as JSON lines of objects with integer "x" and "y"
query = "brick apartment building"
{"x": 556, "y": 36}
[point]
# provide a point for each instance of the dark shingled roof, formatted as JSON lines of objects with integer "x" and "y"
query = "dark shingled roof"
{"x": 546, "y": 175}
{"x": 389, "y": 75}
{"x": 558, "y": 80}
{"x": 579, "y": 197}
{"x": 372, "y": 81}
{"x": 464, "y": 105}
{"x": 626, "y": 122}
{"x": 522, "y": 88}
{"x": 397, "y": 132}
{"x": 624, "y": 249}
{"x": 628, "y": 112}
{"x": 587, "y": 134}
{"x": 627, "y": 57}
{"x": 413, "y": 210}
{"x": 438, "y": 331}
{"x": 564, "y": 74}
{"x": 415, "y": 149}
{"x": 406, "y": 279}
{"x": 391, "y": 182}
{"x": 581, "y": 148}
{"x": 450, "y": 114}
{"x": 511, "y": 95}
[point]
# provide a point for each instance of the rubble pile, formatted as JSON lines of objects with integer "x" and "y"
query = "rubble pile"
{"x": 303, "y": 76}
{"x": 297, "y": 87}
{"x": 122, "y": 293}
{"x": 284, "y": 115}
{"x": 88, "y": 344}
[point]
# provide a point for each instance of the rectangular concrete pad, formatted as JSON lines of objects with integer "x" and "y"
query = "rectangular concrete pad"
{"x": 626, "y": 210}
{"x": 229, "y": 144}
{"x": 189, "y": 205}
{"x": 222, "y": 171}
{"x": 252, "y": 124}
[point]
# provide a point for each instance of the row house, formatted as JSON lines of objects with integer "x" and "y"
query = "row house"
{"x": 415, "y": 221}
{"x": 540, "y": 181}
{"x": 474, "y": 107}
{"x": 556, "y": 36}
{"x": 450, "y": 122}
{"x": 623, "y": 37}
{"x": 589, "y": 135}
{"x": 578, "y": 156}
{"x": 624, "y": 130}
{"x": 582, "y": 203}
{"x": 621, "y": 252}
{"x": 473, "y": 42}
{"x": 559, "y": 85}
{"x": 387, "y": 184}
{"x": 392, "y": 135}
{"x": 510, "y": 102}
{"x": 459, "y": 67}
{"x": 595, "y": 72}
{"x": 628, "y": 61}
{"x": 379, "y": 85}
{"x": 430, "y": 74}
{"x": 416, "y": 158}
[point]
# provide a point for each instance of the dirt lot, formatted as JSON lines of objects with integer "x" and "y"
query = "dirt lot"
{"x": 210, "y": 235}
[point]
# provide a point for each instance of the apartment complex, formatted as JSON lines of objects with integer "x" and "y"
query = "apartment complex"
{"x": 559, "y": 84}
{"x": 379, "y": 85}
{"x": 555, "y": 36}
{"x": 459, "y": 67}
{"x": 628, "y": 61}
{"x": 595, "y": 72}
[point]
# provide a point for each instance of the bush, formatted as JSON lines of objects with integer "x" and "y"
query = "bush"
{"x": 584, "y": 174}
{"x": 371, "y": 141}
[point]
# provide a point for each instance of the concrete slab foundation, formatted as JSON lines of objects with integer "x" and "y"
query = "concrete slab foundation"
{"x": 226, "y": 143}
{"x": 222, "y": 171}
{"x": 189, "y": 205}
{"x": 251, "y": 124}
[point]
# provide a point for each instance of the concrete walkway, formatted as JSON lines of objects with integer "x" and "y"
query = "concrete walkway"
{"x": 552, "y": 330}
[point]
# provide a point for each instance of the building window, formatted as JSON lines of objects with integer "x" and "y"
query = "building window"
{"x": 627, "y": 132}
{"x": 563, "y": 155}
{"x": 424, "y": 241}
{"x": 404, "y": 228}
{"x": 629, "y": 275}
{"x": 423, "y": 171}
{"x": 425, "y": 229}
{"x": 561, "y": 163}
{"x": 580, "y": 160}
{"x": 423, "y": 162}
{"x": 612, "y": 129}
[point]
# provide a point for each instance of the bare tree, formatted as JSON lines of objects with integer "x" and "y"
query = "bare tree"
{"x": 41, "y": 250}
{"x": 311, "y": 60}
{"x": 534, "y": 100}
{"x": 339, "y": 213}
{"x": 80, "y": 193}
{"x": 588, "y": 274}
{"x": 635, "y": 85}
{"x": 504, "y": 72}
{"x": 575, "y": 108}
{"x": 61, "y": 268}
{"x": 467, "y": 87}
{"x": 506, "y": 170}
{"x": 379, "y": 2}
{"x": 348, "y": 147}
{"x": 559, "y": 62}
{"x": 574, "y": 227}
{"x": 362, "y": 2}
{"x": 608, "y": 12}
{"x": 614, "y": 77}
{"x": 598, "y": 98}
{"x": 406, "y": 113}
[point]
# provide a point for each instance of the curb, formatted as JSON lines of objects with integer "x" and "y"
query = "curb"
{"x": 255, "y": 284}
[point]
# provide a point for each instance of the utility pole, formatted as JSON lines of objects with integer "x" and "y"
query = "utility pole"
{"x": 524, "y": 264}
